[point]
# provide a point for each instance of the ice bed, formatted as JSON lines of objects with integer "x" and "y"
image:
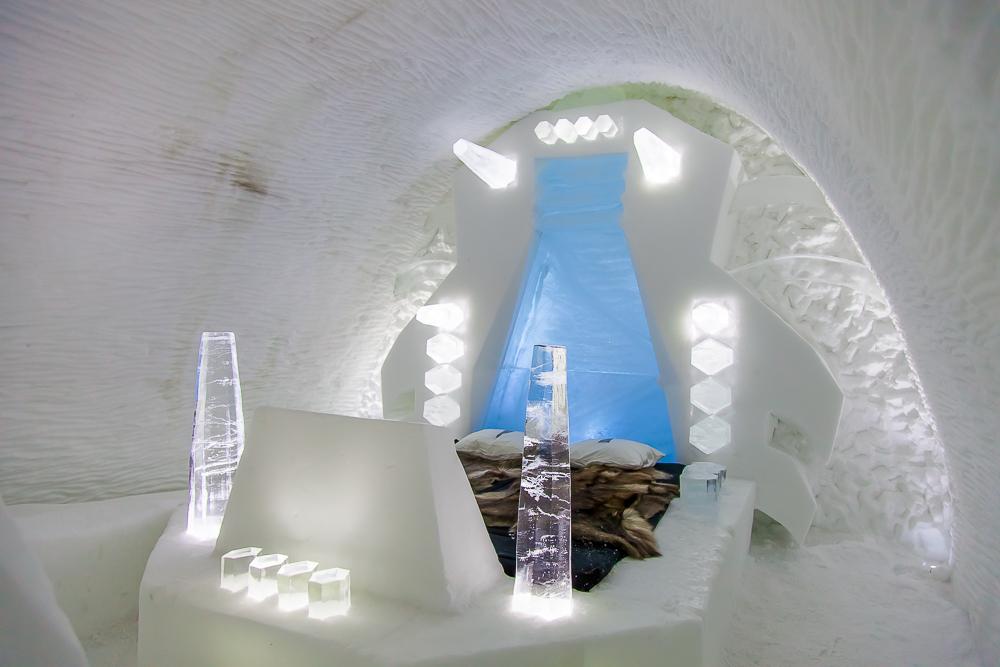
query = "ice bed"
{"x": 439, "y": 602}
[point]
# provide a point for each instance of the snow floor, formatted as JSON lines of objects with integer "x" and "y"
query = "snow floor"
{"x": 831, "y": 604}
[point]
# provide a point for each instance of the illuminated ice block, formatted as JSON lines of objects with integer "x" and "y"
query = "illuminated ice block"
{"x": 566, "y": 130}
{"x": 445, "y": 348}
{"x": 700, "y": 488}
{"x": 543, "y": 577}
{"x": 329, "y": 593}
{"x": 716, "y": 469}
{"x": 710, "y": 356}
{"x": 546, "y": 133}
{"x": 442, "y": 410}
{"x": 711, "y": 434}
{"x": 443, "y": 379}
{"x": 217, "y": 436}
{"x": 263, "y": 582}
{"x": 710, "y": 317}
{"x": 660, "y": 162}
{"x": 492, "y": 168}
{"x": 293, "y": 584}
{"x": 236, "y": 568}
{"x": 445, "y": 316}
{"x": 605, "y": 126}
{"x": 711, "y": 396}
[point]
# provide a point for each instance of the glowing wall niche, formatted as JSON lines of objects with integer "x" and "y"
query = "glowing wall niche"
{"x": 722, "y": 388}
{"x": 217, "y": 438}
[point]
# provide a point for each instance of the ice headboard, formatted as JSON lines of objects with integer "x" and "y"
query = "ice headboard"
{"x": 725, "y": 364}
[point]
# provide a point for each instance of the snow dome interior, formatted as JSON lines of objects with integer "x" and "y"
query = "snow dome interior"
{"x": 278, "y": 170}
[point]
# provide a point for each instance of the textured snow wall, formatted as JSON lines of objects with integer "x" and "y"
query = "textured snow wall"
{"x": 266, "y": 168}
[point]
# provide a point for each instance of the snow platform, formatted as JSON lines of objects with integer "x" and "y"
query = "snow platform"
{"x": 672, "y": 610}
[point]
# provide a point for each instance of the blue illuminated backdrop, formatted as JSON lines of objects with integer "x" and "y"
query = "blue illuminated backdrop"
{"x": 581, "y": 292}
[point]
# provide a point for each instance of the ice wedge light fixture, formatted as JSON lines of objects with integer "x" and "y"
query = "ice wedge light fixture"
{"x": 660, "y": 162}
{"x": 329, "y": 593}
{"x": 710, "y": 356}
{"x": 442, "y": 410}
{"x": 543, "y": 579}
{"x": 445, "y": 348}
{"x": 496, "y": 170}
{"x": 217, "y": 435}
{"x": 566, "y": 130}
{"x": 446, "y": 316}
{"x": 443, "y": 379}
{"x": 710, "y": 434}
{"x": 236, "y": 568}
{"x": 710, "y": 317}
{"x": 710, "y": 396}
{"x": 293, "y": 584}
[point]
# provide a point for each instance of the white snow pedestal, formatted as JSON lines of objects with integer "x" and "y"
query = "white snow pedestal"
{"x": 390, "y": 501}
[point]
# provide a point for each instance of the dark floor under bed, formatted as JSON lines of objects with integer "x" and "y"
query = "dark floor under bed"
{"x": 591, "y": 561}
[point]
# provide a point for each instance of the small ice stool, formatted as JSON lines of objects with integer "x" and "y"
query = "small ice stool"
{"x": 329, "y": 593}
{"x": 715, "y": 468}
{"x": 293, "y": 584}
{"x": 700, "y": 489}
{"x": 264, "y": 575}
{"x": 236, "y": 568}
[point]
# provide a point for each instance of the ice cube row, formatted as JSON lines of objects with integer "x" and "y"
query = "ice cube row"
{"x": 299, "y": 585}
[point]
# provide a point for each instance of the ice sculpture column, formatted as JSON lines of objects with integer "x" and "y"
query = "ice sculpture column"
{"x": 543, "y": 583}
{"x": 217, "y": 438}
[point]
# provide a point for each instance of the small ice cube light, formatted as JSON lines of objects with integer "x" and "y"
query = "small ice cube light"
{"x": 496, "y": 170}
{"x": 442, "y": 410}
{"x": 236, "y": 568}
{"x": 329, "y": 593}
{"x": 293, "y": 584}
{"x": 710, "y": 317}
{"x": 443, "y": 379}
{"x": 660, "y": 162}
{"x": 264, "y": 575}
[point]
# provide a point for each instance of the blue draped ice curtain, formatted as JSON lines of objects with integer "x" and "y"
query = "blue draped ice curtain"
{"x": 581, "y": 292}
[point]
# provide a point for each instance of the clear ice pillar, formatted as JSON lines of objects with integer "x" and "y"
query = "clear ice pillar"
{"x": 217, "y": 437}
{"x": 543, "y": 584}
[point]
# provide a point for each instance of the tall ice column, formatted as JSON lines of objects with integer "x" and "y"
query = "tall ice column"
{"x": 217, "y": 438}
{"x": 543, "y": 583}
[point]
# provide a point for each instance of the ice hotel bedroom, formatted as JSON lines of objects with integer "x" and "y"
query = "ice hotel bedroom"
{"x": 465, "y": 333}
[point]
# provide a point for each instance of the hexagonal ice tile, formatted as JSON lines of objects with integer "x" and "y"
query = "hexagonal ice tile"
{"x": 443, "y": 379}
{"x": 710, "y": 396}
{"x": 445, "y": 348}
{"x": 442, "y": 410}
{"x": 710, "y": 356}
{"x": 710, "y": 317}
{"x": 710, "y": 434}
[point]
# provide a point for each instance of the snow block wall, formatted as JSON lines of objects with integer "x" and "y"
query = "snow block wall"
{"x": 266, "y": 168}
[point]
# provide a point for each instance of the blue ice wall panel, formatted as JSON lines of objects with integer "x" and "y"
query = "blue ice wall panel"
{"x": 581, "y": 292}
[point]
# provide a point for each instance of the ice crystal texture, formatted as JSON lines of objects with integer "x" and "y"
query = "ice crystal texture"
{"x": 217, "y": 436}
{"x": 543, "y": 581}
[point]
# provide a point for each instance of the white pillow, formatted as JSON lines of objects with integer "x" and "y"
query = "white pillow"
{"x": 618, "y": 452}
{"x": 493, "y": 443}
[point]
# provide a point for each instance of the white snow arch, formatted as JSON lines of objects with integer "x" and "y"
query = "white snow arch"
{"x": 173, "y": 168}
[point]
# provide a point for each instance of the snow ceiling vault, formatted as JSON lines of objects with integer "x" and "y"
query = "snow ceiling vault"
{"x": 267, "y": 168}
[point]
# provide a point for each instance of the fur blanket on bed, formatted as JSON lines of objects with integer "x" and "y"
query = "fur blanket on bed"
{"x": 610, "y": 504}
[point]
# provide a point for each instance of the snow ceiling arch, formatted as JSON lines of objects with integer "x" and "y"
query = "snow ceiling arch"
{"x": 174, "y": 168}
